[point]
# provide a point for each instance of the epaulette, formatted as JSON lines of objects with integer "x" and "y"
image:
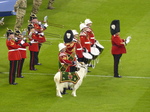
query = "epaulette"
{"x": 89, "y": 29}
{"x": 83, "y": 34}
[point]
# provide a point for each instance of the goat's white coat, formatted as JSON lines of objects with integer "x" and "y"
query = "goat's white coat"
{"x": 59, "y": 86}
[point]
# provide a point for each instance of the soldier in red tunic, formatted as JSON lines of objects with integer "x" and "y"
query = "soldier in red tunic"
{"x": 39, "y": 28}
{"x": 78, "y": 47}
{"x": 85, "y": 42}
{"x": 70, "y": 48}
{"x": 34, "y": 48}
{"x": 19, "y": 38}
{"x": 91, "y": 35}
{"x": 13, "y": 55}
{"x": 118, "y": 45}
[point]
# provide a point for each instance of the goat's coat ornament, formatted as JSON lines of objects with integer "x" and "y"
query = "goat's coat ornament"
{"x": 69, "y": 77}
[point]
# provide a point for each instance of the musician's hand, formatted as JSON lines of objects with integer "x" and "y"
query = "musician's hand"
{"x": 74, "y": 62}
{"x": 84, "y": 49}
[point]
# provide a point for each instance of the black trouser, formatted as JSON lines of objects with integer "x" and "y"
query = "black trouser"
{"x": 116, "y": 63}
{"x": 37, "y": 58}
{"x": 33, "y": 57}
{"x": 19, "y": 69}
{"x": 12, "y": 71}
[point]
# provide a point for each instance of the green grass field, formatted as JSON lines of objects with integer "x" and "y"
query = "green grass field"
{"x": 100, "y": 92}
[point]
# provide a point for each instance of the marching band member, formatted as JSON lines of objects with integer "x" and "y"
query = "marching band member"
{"x": 118, "y": 45}
{"x": 78, "y": 48}
{"x": 91, "y": 35}
{"x": 85, "y": 42}
{"x": 65, "y": 63}
{"x": 39, "y": 28}
{"x": 89, "y": 31}
{"x": 34, "y": 48}
{"x": 70, "y": 48}
{"x": 13, "y": 55}
{"x": 19, "y": 37}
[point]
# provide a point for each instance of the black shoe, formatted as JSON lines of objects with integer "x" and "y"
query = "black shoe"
{"x": 118, "y": 76}
{"x": 14, "y": 83}
{"x": 38, "y": 64}
{"x": 21, "y": 77}
{"x": 90, "y": 65}
{"x": 69, "y": 88}
{"x": 33, "y": 69}
{"x": 50, "y": 8}
{"x": 88, "y": 71}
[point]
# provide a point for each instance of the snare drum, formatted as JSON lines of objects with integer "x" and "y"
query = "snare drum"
{"x": 95, "y": 51}
{"x": 87, "y": 55}
{"x": 99, "y": 46}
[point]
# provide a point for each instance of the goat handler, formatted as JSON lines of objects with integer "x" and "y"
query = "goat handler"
{"x": 118, "y": 45}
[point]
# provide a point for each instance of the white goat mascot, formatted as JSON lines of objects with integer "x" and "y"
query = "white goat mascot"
{"x": 59, "y": 86}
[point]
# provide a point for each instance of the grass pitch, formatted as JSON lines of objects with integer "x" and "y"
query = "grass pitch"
{"x": 100, "y": 92}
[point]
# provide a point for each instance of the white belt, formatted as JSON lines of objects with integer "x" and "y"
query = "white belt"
{"x": 21, "y": 49}
{"x": 87, "y": 42}
{"x": 79, "y": 49}
{"x": 13, "y": 50}
{"x": 34, "y": 42}
{"x": 92, "y": 38}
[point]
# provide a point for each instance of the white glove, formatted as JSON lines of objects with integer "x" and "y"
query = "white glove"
{"x": 46, "y": 25}
{"x": 16, "y": 38}
{"x": 32, "y": 41}
{"x": 45, "y": 19}
{"x": 24, "y": 38}
{"x": 75, "y": 40}
{"x": 41, "y": 34}
{"x": 128, "y": 39}
{"x": 22, "y": 42}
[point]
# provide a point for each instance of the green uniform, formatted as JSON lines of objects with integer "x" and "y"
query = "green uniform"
{"x": 36, "y": 5}
{"x": 20, "y": 9}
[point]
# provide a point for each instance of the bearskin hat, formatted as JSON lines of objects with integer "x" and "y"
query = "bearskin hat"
{"x": 68, "y": 36}
{"x": 115, "y": 27}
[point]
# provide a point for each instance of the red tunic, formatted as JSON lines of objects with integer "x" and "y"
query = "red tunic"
{"x": 22, "y": 49}
{"x": 40, "y": 34}
{"x": 34, "y": 46}
{"x": 79, "y": 50}
{"x": 63, "y": 59}
{"x": 13, "y": 53}
{"x": 85, "y": 42}
{"x": 118, "y": 46}
{"x": 91, "y": 35}
{"x": 41, "y": 38}
{"x": 70, "y": 47}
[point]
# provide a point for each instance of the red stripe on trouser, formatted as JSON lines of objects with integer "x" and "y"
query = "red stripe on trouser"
{"x": 32, "y": 61}
{"x": 11, "y": 74}
{"x": 19, "y": 67}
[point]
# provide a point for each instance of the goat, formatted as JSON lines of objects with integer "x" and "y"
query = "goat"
{"x": 60, "y": 85}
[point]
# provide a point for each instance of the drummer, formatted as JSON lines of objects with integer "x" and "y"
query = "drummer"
{"x": 78, "y": 47}
{"x": 91, "y": 35}
{"x": 85, "y": 42}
